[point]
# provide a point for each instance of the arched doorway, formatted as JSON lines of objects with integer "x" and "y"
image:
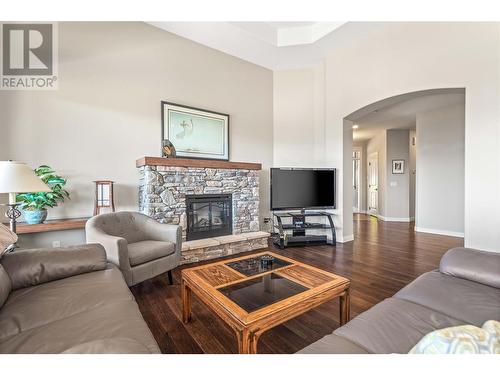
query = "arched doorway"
{"x": 394, "y": 151}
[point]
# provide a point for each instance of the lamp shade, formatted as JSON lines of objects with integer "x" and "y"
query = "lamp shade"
{"x": 16, "y": 177}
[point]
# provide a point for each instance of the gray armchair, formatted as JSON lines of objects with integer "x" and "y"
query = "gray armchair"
{"x": 140, "y": 246}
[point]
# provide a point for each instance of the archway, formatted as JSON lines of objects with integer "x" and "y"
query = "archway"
{"x": 410, "y": 104}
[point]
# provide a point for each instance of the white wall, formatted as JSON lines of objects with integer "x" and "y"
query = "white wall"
{"x": 106, "y": 113}
{"x": 399, "y": 58}
{"x": 397, "y": 192}
{"x": 406, "y": 57}
{"x": 440, "y": 171}
{"x": 298, "y": 126}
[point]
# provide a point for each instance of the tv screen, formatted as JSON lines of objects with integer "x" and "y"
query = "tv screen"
{"x": 302, "y": 188}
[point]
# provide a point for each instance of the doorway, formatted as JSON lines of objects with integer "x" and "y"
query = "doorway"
{"x": 356, "y": 180}
{"x": 372, "y": 176}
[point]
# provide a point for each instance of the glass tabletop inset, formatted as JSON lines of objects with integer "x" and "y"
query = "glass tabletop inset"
{"x": 253, "y": 266}
{"x": 254, "y": 294}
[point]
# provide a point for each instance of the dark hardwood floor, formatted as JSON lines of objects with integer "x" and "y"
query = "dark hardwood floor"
{"x": 383, "y": 258}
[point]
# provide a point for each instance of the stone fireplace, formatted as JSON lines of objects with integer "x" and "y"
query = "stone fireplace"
{"x": 215, "y": 202}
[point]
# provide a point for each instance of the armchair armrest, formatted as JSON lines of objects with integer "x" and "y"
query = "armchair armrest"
{"x": 36, "y": 266}
{"x": 116, "y": 248}
{"x": 163, "y": 232}
{"x": 475, "y": 265}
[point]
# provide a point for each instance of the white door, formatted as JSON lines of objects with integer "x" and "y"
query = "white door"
{"x": 356, "y": 179}
{"x": 373, "y": 184}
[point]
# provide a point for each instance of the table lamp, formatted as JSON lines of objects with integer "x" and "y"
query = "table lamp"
{"x": 16, "y": 177}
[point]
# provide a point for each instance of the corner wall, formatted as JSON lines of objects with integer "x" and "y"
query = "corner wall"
{"x": 440, "y": 171}
{"x": 400, "y": 58}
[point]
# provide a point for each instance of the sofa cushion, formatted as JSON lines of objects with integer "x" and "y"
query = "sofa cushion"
{"x": 462, "y": 299}
{"x": 474, "y": 265}
{"x": 333, "y": 344}
{"x": 36, "y": 306}
{"x": 113, "y": 321}
{"x": 5, "y": 286}
{"x": 394, "y": 326}
{"x": 146, "y": 251}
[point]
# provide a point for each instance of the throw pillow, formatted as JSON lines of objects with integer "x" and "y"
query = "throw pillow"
{"x": 466, "y": 339}
{"x": 7, "y": 238}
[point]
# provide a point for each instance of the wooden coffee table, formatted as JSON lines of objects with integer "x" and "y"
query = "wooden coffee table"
{"x": 253, "y": 298}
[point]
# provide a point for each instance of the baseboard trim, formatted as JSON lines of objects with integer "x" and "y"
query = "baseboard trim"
{"x": 347, "y": 238}
{"x": 440, "y": 232}
{"x": 397, "y": 219}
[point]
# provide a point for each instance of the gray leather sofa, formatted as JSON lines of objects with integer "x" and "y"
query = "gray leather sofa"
{"x": 140, "y": 246}
{"x": 465, "y": 290}
{"x": 68, "y": 301}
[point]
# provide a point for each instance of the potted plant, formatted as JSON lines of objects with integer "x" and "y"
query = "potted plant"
{"x": 34, "y": 205}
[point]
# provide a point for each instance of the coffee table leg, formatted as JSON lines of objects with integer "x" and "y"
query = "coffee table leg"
{"x": 186, "y": 302}
{"x": 247, "y": 342}
{"x": 345, "y": 307}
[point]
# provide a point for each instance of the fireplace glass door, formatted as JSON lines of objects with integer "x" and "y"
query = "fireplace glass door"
{"x": 209, "y": 216}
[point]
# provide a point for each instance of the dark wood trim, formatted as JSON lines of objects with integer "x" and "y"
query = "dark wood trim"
{"x": 196, "y": 163}
{"x": 51, "y": 225}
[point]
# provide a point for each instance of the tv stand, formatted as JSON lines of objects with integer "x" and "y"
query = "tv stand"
{"x": 299, "y": 225}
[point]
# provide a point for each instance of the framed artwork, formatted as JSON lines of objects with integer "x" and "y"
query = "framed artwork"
{"x": 398, "y": 167}
{"x": 195, "y": 132}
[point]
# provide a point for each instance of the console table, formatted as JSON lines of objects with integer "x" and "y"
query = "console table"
{"x": 299, "y": 225}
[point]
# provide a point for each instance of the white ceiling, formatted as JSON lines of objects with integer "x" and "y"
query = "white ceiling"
{"x": 273, "y": 45}
{"x": 400, "y": 112}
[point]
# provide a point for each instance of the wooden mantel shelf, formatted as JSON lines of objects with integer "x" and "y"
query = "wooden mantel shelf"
{"x": 51, "y": 225}
{"x": 195, "y": 163}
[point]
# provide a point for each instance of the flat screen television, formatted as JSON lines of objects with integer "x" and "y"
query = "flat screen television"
{"x": 300, "y": 188}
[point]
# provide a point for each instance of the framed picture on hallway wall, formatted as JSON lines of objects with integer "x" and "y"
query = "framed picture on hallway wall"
{"x": 195, "y": 132}
{"x": 398, "y": 167}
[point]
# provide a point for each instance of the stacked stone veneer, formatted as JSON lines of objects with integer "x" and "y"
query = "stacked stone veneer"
{"x": 216, "y": 247}
{"x": 163, "y": 190}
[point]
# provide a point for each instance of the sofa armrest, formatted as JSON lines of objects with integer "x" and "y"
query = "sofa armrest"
{"x": 116, "y": 248}
{"x": 474, "y": 265}
{"x": 36, "y": 266}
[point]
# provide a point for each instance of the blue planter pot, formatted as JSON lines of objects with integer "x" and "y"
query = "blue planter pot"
{"x": 35, "y": 217}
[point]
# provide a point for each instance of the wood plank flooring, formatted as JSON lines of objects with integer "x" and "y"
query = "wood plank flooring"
{"x": 383, "y": 258}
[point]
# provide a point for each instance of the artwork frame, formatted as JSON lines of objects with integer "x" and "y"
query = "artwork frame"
{"x": 398, "y": 166}
{"x": 189, "y": 128}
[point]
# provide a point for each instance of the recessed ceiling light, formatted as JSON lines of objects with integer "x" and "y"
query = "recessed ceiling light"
{"x": 355, "y": 126}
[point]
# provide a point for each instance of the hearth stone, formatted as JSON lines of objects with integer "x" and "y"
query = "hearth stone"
{"x": 216, "y": 247}
{"x": 162, "y": 192}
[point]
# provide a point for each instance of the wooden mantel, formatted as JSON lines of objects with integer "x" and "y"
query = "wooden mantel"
{"x": 195, "y": 163}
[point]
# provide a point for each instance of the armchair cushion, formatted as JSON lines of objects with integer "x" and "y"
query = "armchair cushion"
{"x": 32, "y": 267}
{"x": 474, "y": 265}
{"x": 145, "y": 251}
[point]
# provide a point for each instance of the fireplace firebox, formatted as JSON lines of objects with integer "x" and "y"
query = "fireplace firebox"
{"x": 209, "y": 215}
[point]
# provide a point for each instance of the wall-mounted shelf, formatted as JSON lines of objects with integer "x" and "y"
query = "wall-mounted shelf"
{"x": 51, "y": 225}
